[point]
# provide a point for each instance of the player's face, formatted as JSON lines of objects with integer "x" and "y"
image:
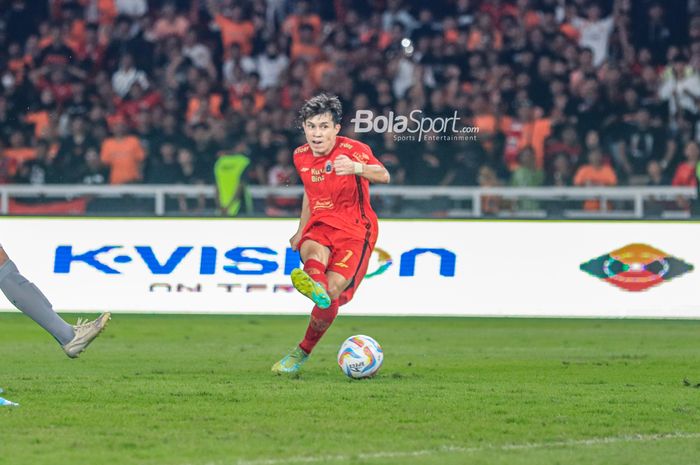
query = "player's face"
{"x": 320, "y": 132}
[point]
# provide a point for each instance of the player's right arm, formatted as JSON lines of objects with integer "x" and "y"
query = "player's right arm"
{"x": 305, "y": 215}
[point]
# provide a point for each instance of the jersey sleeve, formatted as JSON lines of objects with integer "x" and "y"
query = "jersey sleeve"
{"x": 364, "y": 154}
{"x": 297, "y": 158}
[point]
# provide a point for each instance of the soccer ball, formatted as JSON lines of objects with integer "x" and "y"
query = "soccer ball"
{"x": 360, "y": 356}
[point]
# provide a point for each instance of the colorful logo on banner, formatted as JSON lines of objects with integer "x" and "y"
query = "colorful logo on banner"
{"x": 636, "y": 267}
{"x": 384, "y": 260}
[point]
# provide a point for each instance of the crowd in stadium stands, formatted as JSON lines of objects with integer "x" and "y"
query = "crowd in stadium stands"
{"x": 563, "y": 92}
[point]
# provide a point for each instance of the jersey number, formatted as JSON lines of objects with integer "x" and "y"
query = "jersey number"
{"x": 343, "y": 262}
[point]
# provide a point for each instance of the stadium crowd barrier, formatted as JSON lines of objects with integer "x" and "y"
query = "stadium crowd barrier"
{"x": 466, "y": 202}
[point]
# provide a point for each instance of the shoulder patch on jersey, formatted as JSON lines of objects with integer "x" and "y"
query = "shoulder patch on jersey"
{"x": 346, "y": 145}
{"x": 362, "y": 157}
{"x": 302, "y": 149}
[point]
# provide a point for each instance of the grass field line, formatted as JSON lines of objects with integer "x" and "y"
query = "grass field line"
{"x": 468, "y": 450}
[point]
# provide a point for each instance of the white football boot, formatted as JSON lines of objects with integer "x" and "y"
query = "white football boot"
{"x": 85, "y": 333}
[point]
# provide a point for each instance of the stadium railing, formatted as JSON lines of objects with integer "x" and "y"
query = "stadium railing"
{"x": 400, "y": 201}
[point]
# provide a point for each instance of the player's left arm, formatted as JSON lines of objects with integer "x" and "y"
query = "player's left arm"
{"x": 376, "y": 173}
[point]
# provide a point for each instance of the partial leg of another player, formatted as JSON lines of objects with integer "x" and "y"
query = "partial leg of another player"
{"x": 30, "y": 301}
{"x": 5, "y": 402}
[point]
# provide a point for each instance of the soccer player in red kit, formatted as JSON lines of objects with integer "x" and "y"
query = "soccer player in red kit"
{"x": 338, "y": 228}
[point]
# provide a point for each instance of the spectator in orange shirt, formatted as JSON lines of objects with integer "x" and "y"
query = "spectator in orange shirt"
{"x": 7, "y": 166}
{"x": 204, "y": 103}
{"x": 302, "y": 16}
{"x": 40, "y": 117}
{"x": 36, "y": 171}
{"x": 106, "y": 11}
{"x": 307, "y": 46}
{"x": 450, "y": 31}
{"x": 123, "y": 155}
{"x": 138, "y": 100}
{"x": 19, "y": 151}
{"x": 595, "y": 173}
{"x": 523, "y": 130}
{"x": 686, "y": 173}
{"x": 17, "y": 63}
{"x": 74, "y": 25}
{"x": 233, "y": 28}
{"x": 170, "y": 23}
{"x": 490, "y": 204}
{"x": 54, "y": 50}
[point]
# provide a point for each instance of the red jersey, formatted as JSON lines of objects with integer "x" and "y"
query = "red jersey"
{"x": 338, "y": 201}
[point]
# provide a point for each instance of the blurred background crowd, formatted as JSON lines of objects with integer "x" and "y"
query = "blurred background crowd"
{"x": 563, "y": 92}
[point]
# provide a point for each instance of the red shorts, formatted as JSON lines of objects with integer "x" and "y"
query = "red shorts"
{"x": 349, "y": 256}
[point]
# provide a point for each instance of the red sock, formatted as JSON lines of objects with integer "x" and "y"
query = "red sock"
{"x": 317, "y": 271}
{"x": 320, "y": 322}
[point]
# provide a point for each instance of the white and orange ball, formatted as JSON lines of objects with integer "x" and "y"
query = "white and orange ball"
{"x": 360, "y": 357}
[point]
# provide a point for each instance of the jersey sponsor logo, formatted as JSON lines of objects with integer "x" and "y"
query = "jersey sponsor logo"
{"x": 317, "y": 175}
{"x": 345, "y": 145}
{"x": 361, "y": 157}
{"x": 323, "y": 205}
{"x": 302, "y": 149}
{"x": 636, "y": 267}
{"x": 206, "y": 260}
{"x": 304, "y": 169}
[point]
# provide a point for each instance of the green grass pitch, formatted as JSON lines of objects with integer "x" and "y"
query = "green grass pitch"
{"x": 197, "y": 390}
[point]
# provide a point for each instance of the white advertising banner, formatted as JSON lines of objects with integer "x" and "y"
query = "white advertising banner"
{"x": 528, "y": 268}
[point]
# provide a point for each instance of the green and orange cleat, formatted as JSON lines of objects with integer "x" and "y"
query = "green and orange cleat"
{"x": 292, "y": 362}
{"x": 308, "y": 287}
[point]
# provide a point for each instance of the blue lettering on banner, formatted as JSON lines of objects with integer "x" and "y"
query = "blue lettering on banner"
{"x": 238, "y": 256}
{"x": 65, "y": 258}
{"x": 207, "y": 264}
{"x": 241, "y": 260}
{"x": 448, "y": 261}
{"x": 292, "y": 260}
{"x": 149, "y": 258}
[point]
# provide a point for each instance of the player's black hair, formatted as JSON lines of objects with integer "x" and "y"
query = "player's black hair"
{"x": 319, "y": 105}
